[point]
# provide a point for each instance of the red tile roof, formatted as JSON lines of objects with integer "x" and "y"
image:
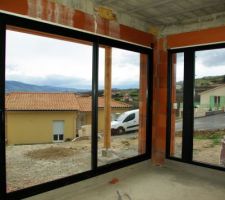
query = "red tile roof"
{"x": 29, "y": 101}
{"x": 41, "y": 101}
{"x": 85, "y": 103}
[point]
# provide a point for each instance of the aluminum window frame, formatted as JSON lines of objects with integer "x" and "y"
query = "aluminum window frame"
{"x": 97, "y": 40}
{"x": 188, "y": 103}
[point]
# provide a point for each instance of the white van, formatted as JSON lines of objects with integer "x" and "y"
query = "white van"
{"x": 127, "y": 121}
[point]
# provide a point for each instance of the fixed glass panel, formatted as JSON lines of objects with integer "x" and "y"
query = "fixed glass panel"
{"x": 122, "y": 104}
{"x": 209, "y": 104}
{"x": 177, "y": 85}
{"x": 48, "y": 108}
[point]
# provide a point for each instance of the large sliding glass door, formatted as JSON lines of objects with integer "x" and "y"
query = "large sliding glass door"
{"x": 203, "y": 114}
{"x": 209, "y": 104}
{"x": 46, "y": 123}
{"x": 63, "y": 92}
{"x": 122, "y": 105}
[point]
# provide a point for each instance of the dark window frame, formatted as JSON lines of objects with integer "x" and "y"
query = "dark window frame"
{"x": 57, "y": 30}
{"x": 188, "y": 115}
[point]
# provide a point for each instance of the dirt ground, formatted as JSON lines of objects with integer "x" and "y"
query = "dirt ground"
{"x": 204, "y": 150}
{"x": 29, "y": 165}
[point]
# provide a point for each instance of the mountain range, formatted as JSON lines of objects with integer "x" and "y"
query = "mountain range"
{"x": 16, "y": 86}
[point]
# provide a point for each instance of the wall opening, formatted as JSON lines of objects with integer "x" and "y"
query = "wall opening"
{"x": 203, "y": 90}
{"x": 61, "y": 67}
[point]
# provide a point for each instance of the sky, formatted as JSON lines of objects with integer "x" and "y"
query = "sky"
{"x": 41, "y": 60}
{"x": 207, "y": 63}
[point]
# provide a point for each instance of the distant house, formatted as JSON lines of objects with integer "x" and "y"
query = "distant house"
{"x": 213, "y": 99}
{"x": 50, "y": 117}
{"x": 127, "y": 97}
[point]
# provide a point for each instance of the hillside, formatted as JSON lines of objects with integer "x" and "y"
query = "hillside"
{"x": 207, "y": 81}
{"x": 15, "y": 86}
{"x": 201, "y": 84}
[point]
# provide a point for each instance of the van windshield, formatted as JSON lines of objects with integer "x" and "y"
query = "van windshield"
{"x": 121, "y": 117}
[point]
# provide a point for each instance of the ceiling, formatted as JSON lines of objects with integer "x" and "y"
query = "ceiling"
{"x": 166, "y": 12}
{"x": 161, "y": 16}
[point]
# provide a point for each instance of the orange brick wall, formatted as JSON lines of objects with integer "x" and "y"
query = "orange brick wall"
{"x": 159, "y": 102}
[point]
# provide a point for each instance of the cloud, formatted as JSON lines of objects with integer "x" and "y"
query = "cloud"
{"x": 65, "y": 81}
{"x": 69, "y": 82}
{"x": 122, "y": 57}
{"x": 11, "y": 67}
{"x": 126, "y": 85}
{"x": 53, "y": 80}
{"x": 43, "y": 61}
{"x": 180, "y": 56}
{"x": 211, "y": 58}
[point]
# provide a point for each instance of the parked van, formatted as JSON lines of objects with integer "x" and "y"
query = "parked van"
{"x": 127, "y": 121}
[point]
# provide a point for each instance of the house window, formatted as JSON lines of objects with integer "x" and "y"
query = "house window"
{"x": 217, "y": 101}
{"x": 58, "y": 130}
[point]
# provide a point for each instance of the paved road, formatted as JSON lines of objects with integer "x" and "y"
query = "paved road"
{"x": 206, "y": 123}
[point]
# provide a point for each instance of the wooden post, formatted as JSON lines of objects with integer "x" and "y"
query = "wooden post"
{"x": 142, "y": 104}
{"x": 107, "y": 96}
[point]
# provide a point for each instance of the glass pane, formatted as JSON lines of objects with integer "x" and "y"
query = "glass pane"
{"x": 209, "y": 104}
{"x": 177, "y": 105}
{"x": 60, "y": 137}
{"x": 55, "y": 137}
{"x": 48, "y": 108}
{"x": 122, "y": 125}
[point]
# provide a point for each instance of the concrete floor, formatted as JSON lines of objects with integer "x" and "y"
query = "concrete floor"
{"x": 173, "y": 181}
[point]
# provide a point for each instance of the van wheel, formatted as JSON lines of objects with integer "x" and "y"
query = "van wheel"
{"x": 120, "y": 131}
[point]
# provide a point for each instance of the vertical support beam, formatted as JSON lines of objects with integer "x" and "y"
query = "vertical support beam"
{"x": 159, "y": 102}
{"x": 2, "y": 110}
{"x": 94, "y": 127}
{"x": 107, "y": 96}
{"x": 187, "y": 144}
{"x": 142, "y": 104}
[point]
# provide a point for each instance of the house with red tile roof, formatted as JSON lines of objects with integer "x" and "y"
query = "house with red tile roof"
{"x": 33, "y": 117}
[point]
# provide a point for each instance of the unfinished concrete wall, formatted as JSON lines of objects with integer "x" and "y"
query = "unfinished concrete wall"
{"x": 91, "y": 20}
